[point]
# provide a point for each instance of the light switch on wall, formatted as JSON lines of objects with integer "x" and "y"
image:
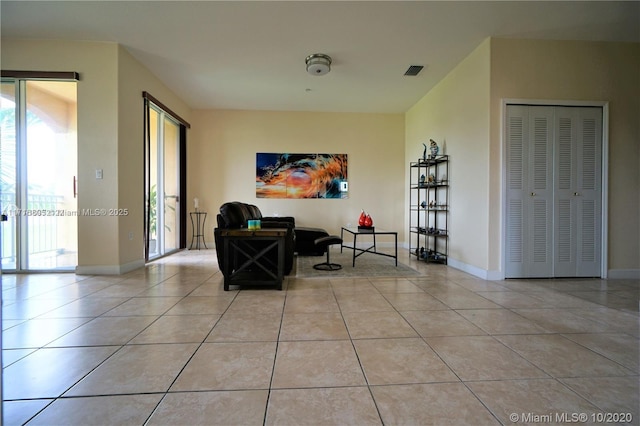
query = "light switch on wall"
{"x": 98, "y": 173}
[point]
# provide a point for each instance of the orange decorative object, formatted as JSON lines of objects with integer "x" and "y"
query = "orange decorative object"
{"x": 368, "y": 222}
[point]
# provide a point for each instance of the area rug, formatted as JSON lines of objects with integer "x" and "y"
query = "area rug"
{"x": 367, "y": 265}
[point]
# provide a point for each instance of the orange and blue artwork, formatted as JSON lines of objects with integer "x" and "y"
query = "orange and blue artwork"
{"x": 301, "y": 175}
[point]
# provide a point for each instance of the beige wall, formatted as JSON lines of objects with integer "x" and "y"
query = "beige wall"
{"x": 464, "y": 111}
{"x": 455, "y": 114}
{"x": 97, "y": 131}
{"x": 578, "y": 71}
{"x": 109, "y": 138}
{"x": 222, "y": 159}
{"x": 133, "y": 79}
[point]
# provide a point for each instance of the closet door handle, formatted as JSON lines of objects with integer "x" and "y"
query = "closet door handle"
{"x": 75, "y": 187}
{"x": 533, "y": 194}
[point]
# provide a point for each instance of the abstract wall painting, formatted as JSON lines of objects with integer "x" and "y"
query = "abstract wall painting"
{"x": 301, "y": 175}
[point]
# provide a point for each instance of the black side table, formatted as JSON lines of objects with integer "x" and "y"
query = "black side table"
{"x": 198, "y": 229}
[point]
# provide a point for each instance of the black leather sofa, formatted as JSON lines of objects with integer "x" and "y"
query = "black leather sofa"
{"x": 235, "y": 214}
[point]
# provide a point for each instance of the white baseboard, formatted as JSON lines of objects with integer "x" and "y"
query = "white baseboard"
{"x": 475, "y": 271}
{"x": 109, "y": 269}
{"x": 623, "y": 274}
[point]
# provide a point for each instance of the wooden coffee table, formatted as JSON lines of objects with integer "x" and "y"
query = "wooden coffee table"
{"x": 257, "y": 268}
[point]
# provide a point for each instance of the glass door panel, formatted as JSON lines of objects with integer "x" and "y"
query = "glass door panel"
{"x": 38, "y": 167}
{"x": 51, "y": 159}
{"x": 171, "y": 167}
{"x": 164, "y": 137}
{"x": 153, "y": 173}
{"x": 8, "y": 177}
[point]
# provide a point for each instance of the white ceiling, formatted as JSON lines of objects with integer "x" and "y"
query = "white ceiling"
{"x": 250, "y": 55}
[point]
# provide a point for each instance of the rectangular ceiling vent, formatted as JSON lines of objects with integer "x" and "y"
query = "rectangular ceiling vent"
{"x": 413, "y": 70}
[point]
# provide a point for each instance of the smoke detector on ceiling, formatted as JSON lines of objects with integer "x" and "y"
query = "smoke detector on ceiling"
{"x": 318, "y": 64}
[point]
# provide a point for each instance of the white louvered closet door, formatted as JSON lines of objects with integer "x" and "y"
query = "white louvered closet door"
{"x": 553, "y": 206}
{"x": 578, "y": 186}
{"x": 529, "y": 245}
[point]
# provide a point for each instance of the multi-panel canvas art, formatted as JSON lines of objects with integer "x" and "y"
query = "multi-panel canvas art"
{"x": 301, "y": 175}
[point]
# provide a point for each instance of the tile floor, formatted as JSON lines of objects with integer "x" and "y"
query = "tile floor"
{"x": 166, "y": 345}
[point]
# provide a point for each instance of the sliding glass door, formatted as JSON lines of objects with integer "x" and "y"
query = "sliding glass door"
{"x": 164, "y": 166}
{"x": 38, "y": 165}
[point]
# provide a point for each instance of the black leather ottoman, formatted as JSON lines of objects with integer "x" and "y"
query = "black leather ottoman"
{"x": 305, "y": 241}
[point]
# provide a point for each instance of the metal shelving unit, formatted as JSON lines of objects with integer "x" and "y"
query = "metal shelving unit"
{"x": 429, "y": 209}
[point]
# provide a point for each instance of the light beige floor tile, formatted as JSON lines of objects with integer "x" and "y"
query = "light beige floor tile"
{"x": 620, "y": 348}
{"x": 122, "y": 289}
{"x": 32, "y": 308}
{"x": 86, "y": 307}
{"x": 47, "y": 373}
{"x": 363, "y": 302}
{"x": 479, "y": 285}
{"x": 105, "y": 331}
{"x": 316, "y": 364}
{"x": 228, "y": 366}
{"x": 246, "y": 327}
{"x": 441, "y": 323}
{"x": 258, "y": 302}
{"x": 177, "y": 329}
{"x": 563, "y": 321}
{"x": 401, "y": 361}
{"x": 396, "y": 285}
{"x": 414, "y": 301}
{"x": 207, "y": 408}
{"x": 213, "y": 287}
{"x": 501, "y": 321}
{"x": 352, "y": 286}
{"x": 139, "y": 306}
{"x": 196, "y": 305}
{"x": 315, "y": 351}
{"x": 322, "y": 406}
{"x": 559, "y": 300}
{"x": 482, "y": 358}
{"x": 39, "y": 332}
{"x": 9, "y": 356}
{"x": 430, "y": 404}
{"x": 461, "y": 299}
{"x": 297, "y": 286}
{"x": 17, "y": 413}
{"x": 313, "y": 326}
{"x": 514, "y": 299}
{"x": 172, "y": 289}
{"x": 610, "y": 394}
{"x": 617, "y": 321}
{"x": 136, "y": 369}
{"x": 311, "y": 303}
{"x": 561, "y": 357}
{"x": 527, "y": 399}
{"x": 98, "y": 410}
{"x": 367, "y": 325}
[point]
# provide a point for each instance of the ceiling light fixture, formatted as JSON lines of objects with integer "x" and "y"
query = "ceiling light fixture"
{"x": 318, "y": 64}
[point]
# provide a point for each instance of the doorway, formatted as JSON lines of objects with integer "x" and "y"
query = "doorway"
{"x": 554, "y": 191}
{"x": 38, "y": 166}
{"x": 164, "y": 167}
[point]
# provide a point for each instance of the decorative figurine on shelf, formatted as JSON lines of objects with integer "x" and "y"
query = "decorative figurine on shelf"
{"x": 432, "y": 178}
{"x": 423, "y": 204}
{"x": 433, "y": 148}
{"x": 424, "y": 153}
{"x": 422, "y": 178}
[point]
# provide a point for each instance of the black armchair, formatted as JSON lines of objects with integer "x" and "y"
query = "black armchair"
{"x": 234, "y": 215}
